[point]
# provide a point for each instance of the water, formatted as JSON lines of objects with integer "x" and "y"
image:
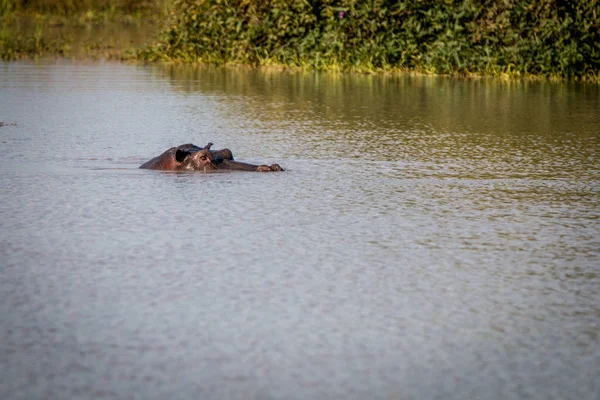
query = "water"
{"x": 430, "y": 238}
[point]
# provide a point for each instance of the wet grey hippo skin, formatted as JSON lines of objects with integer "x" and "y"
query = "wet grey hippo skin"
{"x": 189, "y": 157}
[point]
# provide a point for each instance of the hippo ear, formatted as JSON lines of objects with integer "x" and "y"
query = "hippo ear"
{"x": 181, "y": 155}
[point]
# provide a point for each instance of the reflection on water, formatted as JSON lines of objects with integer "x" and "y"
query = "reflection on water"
{"x": 512, "y": 124}
{"x": 430, "y": 238}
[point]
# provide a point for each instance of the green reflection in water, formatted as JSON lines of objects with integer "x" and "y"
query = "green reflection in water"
{"x": 464, "y": 128}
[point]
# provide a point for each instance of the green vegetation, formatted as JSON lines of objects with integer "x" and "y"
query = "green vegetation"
{"x": 87, "y": 10}
{"x": 548, "y": 38}
{"x": 75, "y": 28}
{"x": 551, "y": 38}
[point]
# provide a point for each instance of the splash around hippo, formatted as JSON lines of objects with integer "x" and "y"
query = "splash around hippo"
{"x": 189, "y": 157}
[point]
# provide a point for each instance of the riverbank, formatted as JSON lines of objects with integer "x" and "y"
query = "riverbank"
{"x": 78, "y": 29}
{"x": 512, "y": 38}
{"x": 541, "y": 38}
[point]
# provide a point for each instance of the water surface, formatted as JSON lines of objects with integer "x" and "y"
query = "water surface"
{"x": 430, "y": 238}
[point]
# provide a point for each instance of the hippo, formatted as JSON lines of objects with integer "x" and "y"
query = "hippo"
{"x": 189, "y": 157}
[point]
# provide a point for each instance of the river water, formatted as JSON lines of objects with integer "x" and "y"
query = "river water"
{"x": 431, "y": 238}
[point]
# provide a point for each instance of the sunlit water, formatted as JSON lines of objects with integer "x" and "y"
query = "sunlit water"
{"x": 430, "y": 238}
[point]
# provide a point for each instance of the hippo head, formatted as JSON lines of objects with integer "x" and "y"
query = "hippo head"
{"x": 201, "y": 160}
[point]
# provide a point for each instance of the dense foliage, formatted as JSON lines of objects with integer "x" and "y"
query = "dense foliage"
{"x": 542, "y": 37}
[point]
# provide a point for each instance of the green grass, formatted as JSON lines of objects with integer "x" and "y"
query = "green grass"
{"x": 65, "y": 28}
{"x": 76, "y": 8}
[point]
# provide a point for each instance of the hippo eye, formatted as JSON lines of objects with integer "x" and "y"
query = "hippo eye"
{"x": 203, "y": 158}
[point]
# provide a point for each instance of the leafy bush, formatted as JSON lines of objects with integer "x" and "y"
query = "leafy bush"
{"x": 542, "y": 37}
